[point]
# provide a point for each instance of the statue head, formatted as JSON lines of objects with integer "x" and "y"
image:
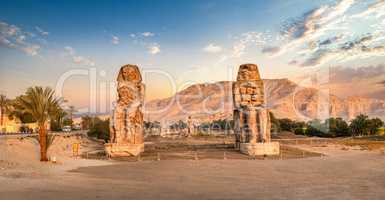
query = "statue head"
{"x": 248, "y": 72}
{"x": 129, "y": 73}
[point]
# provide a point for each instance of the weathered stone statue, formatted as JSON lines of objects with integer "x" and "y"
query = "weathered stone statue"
{"x": 190, "y": 127}
{"x": 126, "y": 128}
{"x": 251, "y": 118}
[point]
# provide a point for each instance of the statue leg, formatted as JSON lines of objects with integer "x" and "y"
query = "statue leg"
{"x": 112, "y": 134}
{"x": 252, "y": 124}
{"x": 265, "y": 125}
{"x": 237, "y": 128}
{"x": 245, "y": 131}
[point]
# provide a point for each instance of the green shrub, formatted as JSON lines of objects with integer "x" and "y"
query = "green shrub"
{"x": 100, "y": 129}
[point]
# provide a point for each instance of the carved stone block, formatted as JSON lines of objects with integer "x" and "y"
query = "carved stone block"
{"x": 260, "y": 149}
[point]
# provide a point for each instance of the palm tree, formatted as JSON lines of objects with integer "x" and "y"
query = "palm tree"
{"x": 71, "y": 111}
{"x": 359, "y": 125}
{"x": 4, "y": 107}
{"x": 41, "y": 104}
{"x": 58, "y": 117}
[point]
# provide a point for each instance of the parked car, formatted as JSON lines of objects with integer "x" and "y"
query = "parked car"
{"x": 66, "y": 128}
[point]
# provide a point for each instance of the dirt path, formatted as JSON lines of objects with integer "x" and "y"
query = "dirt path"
{"x": 343, "y": 174}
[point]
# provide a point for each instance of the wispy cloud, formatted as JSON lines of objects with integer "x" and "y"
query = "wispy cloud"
{"x": 146, "y": 40}
{"x": 329, "y": 33}
{"x": 153, "y": 49}
{"x": 41, "y": 31}
{"x": 147, "y": 34}
{"x": 348, "y": 74}
{"x": 78, "y": 59}
{"x": 212, "y": 48}
{"x": 14, "y": 37}
{"x": 256, "y": 39}
{"x": 115, "y": 40}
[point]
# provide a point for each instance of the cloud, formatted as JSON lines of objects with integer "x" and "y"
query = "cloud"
{"x": 41, "y": 32}
{"x": 78, "y": 59}
{"x": 331, "y": 40}
{"x": 352, "y": 44}
{"x": 316, "y": 21}
{"x": 115, "y": 40}
{"x": 293, "y": 62}
{"x": 83, "y": 60}
{"x": 333, "y": 33}
{"x": 212, "y": 48}
{"x": 69, "y": 50}
{"x": 31, "y": 49}
{"x": 147, "y": 34}
{"x": 270, "y": 49}
{"x": 14, "y": 37}
{"x": 153, "y": 49}
{"x": 376, "y": 9}
{"x": 348, "y": 74}
{"x": 257, "y": 39}
{"x": 145, "y": 40}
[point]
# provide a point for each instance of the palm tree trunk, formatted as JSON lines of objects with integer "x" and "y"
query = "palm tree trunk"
{"x": 43, "y": 143}
{"x": 1, "y": 117}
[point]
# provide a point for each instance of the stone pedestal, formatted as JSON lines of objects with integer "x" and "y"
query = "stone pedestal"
{"x": 122, "y": 150}
{"x": 260, "y": 149}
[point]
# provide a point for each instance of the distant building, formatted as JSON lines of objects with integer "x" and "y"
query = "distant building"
{"x": 15, "y": 125}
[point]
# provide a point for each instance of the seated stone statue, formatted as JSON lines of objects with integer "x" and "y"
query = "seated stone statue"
{"x": 251, "y": 117}
{"x": 127, "y": 117}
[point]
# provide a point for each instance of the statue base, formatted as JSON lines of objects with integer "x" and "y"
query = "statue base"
{"x": 260, "y": 149}
{"x": 123, "y": 150}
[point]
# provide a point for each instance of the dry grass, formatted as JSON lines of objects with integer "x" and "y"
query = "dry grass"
{"x": 206, "y": 147}
{"x": 370, "y": 143}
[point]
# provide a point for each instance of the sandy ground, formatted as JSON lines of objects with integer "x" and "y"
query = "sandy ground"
{"x": 344, "y": 173}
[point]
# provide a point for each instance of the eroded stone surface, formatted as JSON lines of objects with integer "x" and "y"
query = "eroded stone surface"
{"x": 126, "y": 130}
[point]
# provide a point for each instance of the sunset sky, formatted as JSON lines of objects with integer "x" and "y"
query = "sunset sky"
{"x": 178, "y": 43}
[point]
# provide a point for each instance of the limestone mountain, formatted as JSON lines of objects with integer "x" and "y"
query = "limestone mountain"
{"x": 285, "y": 98}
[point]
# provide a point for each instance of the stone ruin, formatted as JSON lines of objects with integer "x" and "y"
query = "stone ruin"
{"x": 126, "y": 125}
{"x": 251, "y": 117}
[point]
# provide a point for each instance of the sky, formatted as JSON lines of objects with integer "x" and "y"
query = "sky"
{"x": 77, "y": 47}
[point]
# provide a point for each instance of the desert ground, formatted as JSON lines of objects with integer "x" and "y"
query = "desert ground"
{"x": 192, "y": 168}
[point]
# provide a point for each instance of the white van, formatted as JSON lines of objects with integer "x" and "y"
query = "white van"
{"x": 66, "y": 128}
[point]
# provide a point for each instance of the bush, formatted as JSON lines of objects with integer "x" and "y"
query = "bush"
{"x": 374, "y": 125}
{"x": 100, "y": 129}
{"x": 337, "y": 127}
{"x": 286, "y": 124}
{"x": 359, "y": 125}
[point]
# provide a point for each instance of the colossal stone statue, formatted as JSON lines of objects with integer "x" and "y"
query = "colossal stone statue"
{"x": 126, "y": 127}
{"x": 251, "y": 118}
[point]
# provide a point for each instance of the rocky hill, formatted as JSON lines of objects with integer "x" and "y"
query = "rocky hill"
{"x": 285, "y": 98}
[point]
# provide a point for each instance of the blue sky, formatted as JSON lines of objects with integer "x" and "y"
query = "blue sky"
{"x": 193, "y": 41}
